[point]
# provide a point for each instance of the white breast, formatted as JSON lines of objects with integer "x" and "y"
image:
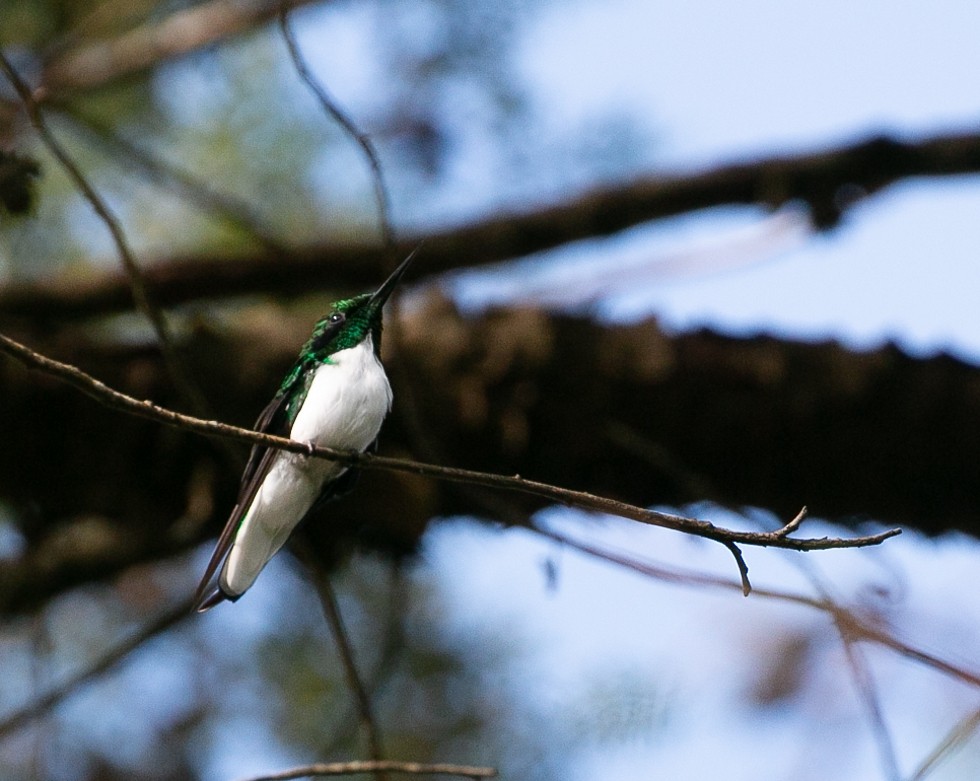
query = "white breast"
{"x": 344, "y": 409}
{"x": 347, "y": 401}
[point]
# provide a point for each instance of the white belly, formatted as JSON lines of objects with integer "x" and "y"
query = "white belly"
{"x": 344, "y": 409}
{"x": 347, "y": 401}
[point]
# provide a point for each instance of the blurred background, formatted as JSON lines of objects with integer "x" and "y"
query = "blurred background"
{"x": 718, "y": 259}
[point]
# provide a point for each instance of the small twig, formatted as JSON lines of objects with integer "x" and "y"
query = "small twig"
{"x": 793, "y": 525}
{"x": 137, "y": 282}
{"x": 100, "y": 666}
{"x": 335, "y": 112}
{"x": 743, "y": 568}
{"x": 389, "y": 765}
{"x": 391, "y": 645}
{"x": 115, "y": 400}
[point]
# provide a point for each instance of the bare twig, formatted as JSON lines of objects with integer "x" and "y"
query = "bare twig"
{"x": 340, "y": 117}
{"x": 581, "y": 499}
{"x": 794, "y": 524}
{"x": 386, "y": 652}
{"x": 743, "y": 568}
{"x": 100, "y": 666}
{"x": 389, "y": 765}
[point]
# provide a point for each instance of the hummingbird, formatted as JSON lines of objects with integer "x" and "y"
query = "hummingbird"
{"x": 336, "y": 395}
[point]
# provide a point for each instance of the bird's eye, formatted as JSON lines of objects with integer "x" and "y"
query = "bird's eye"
{"x": 337, "y": 317}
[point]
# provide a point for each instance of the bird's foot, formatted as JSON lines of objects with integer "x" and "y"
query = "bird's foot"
{"x": 310, "y": 449}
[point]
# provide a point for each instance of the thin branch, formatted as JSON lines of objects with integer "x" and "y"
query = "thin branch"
{"x": 389, "y": 765}
{"x": 794, "y": 524}
{"x": 865, "y": 684}
{"x": 331, "y": 611}
{"x": 953, "y": 740}
{"x": 222, "y": 206}
{"x": 100, "y": 666}
{"x": 856, "y": 661}
{"x": 337, "y": 114}
{"x": 137, "y": 282}
{"x": 391, "y": 645}
{"x": 865, "y": 632}
{"x": 870, "y": 164}
{"x": 857, "y": 629}
{"x": 115, "y": 400}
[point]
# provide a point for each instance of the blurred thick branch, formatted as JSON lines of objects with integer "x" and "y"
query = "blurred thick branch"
{"x": 626, "y": 412}
{"x": 731, "y": 538}
{"x": 829, "y": 181}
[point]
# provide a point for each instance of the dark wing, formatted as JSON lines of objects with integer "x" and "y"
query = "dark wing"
{"x": 273, "y": 420}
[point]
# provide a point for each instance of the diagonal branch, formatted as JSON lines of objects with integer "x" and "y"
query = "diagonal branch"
{"x": 348, "y": 659}
{"x": 581, "y": 499}
{"x": 337, "y": 114}
{"x": 136, "y": 281}
{"x": 814, "y": 177}
{"x": 14, "y": 721}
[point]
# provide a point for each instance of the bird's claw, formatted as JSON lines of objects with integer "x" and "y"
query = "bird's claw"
{"x": 311, "y": 449}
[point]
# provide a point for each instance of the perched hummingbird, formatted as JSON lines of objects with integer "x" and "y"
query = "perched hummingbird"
{"x": 336, "y": 395}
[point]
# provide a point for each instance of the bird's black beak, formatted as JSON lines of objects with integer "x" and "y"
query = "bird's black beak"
{"x": 382, "y": 293}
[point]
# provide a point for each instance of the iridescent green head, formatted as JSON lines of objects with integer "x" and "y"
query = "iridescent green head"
{"x": 349, "y": 321}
